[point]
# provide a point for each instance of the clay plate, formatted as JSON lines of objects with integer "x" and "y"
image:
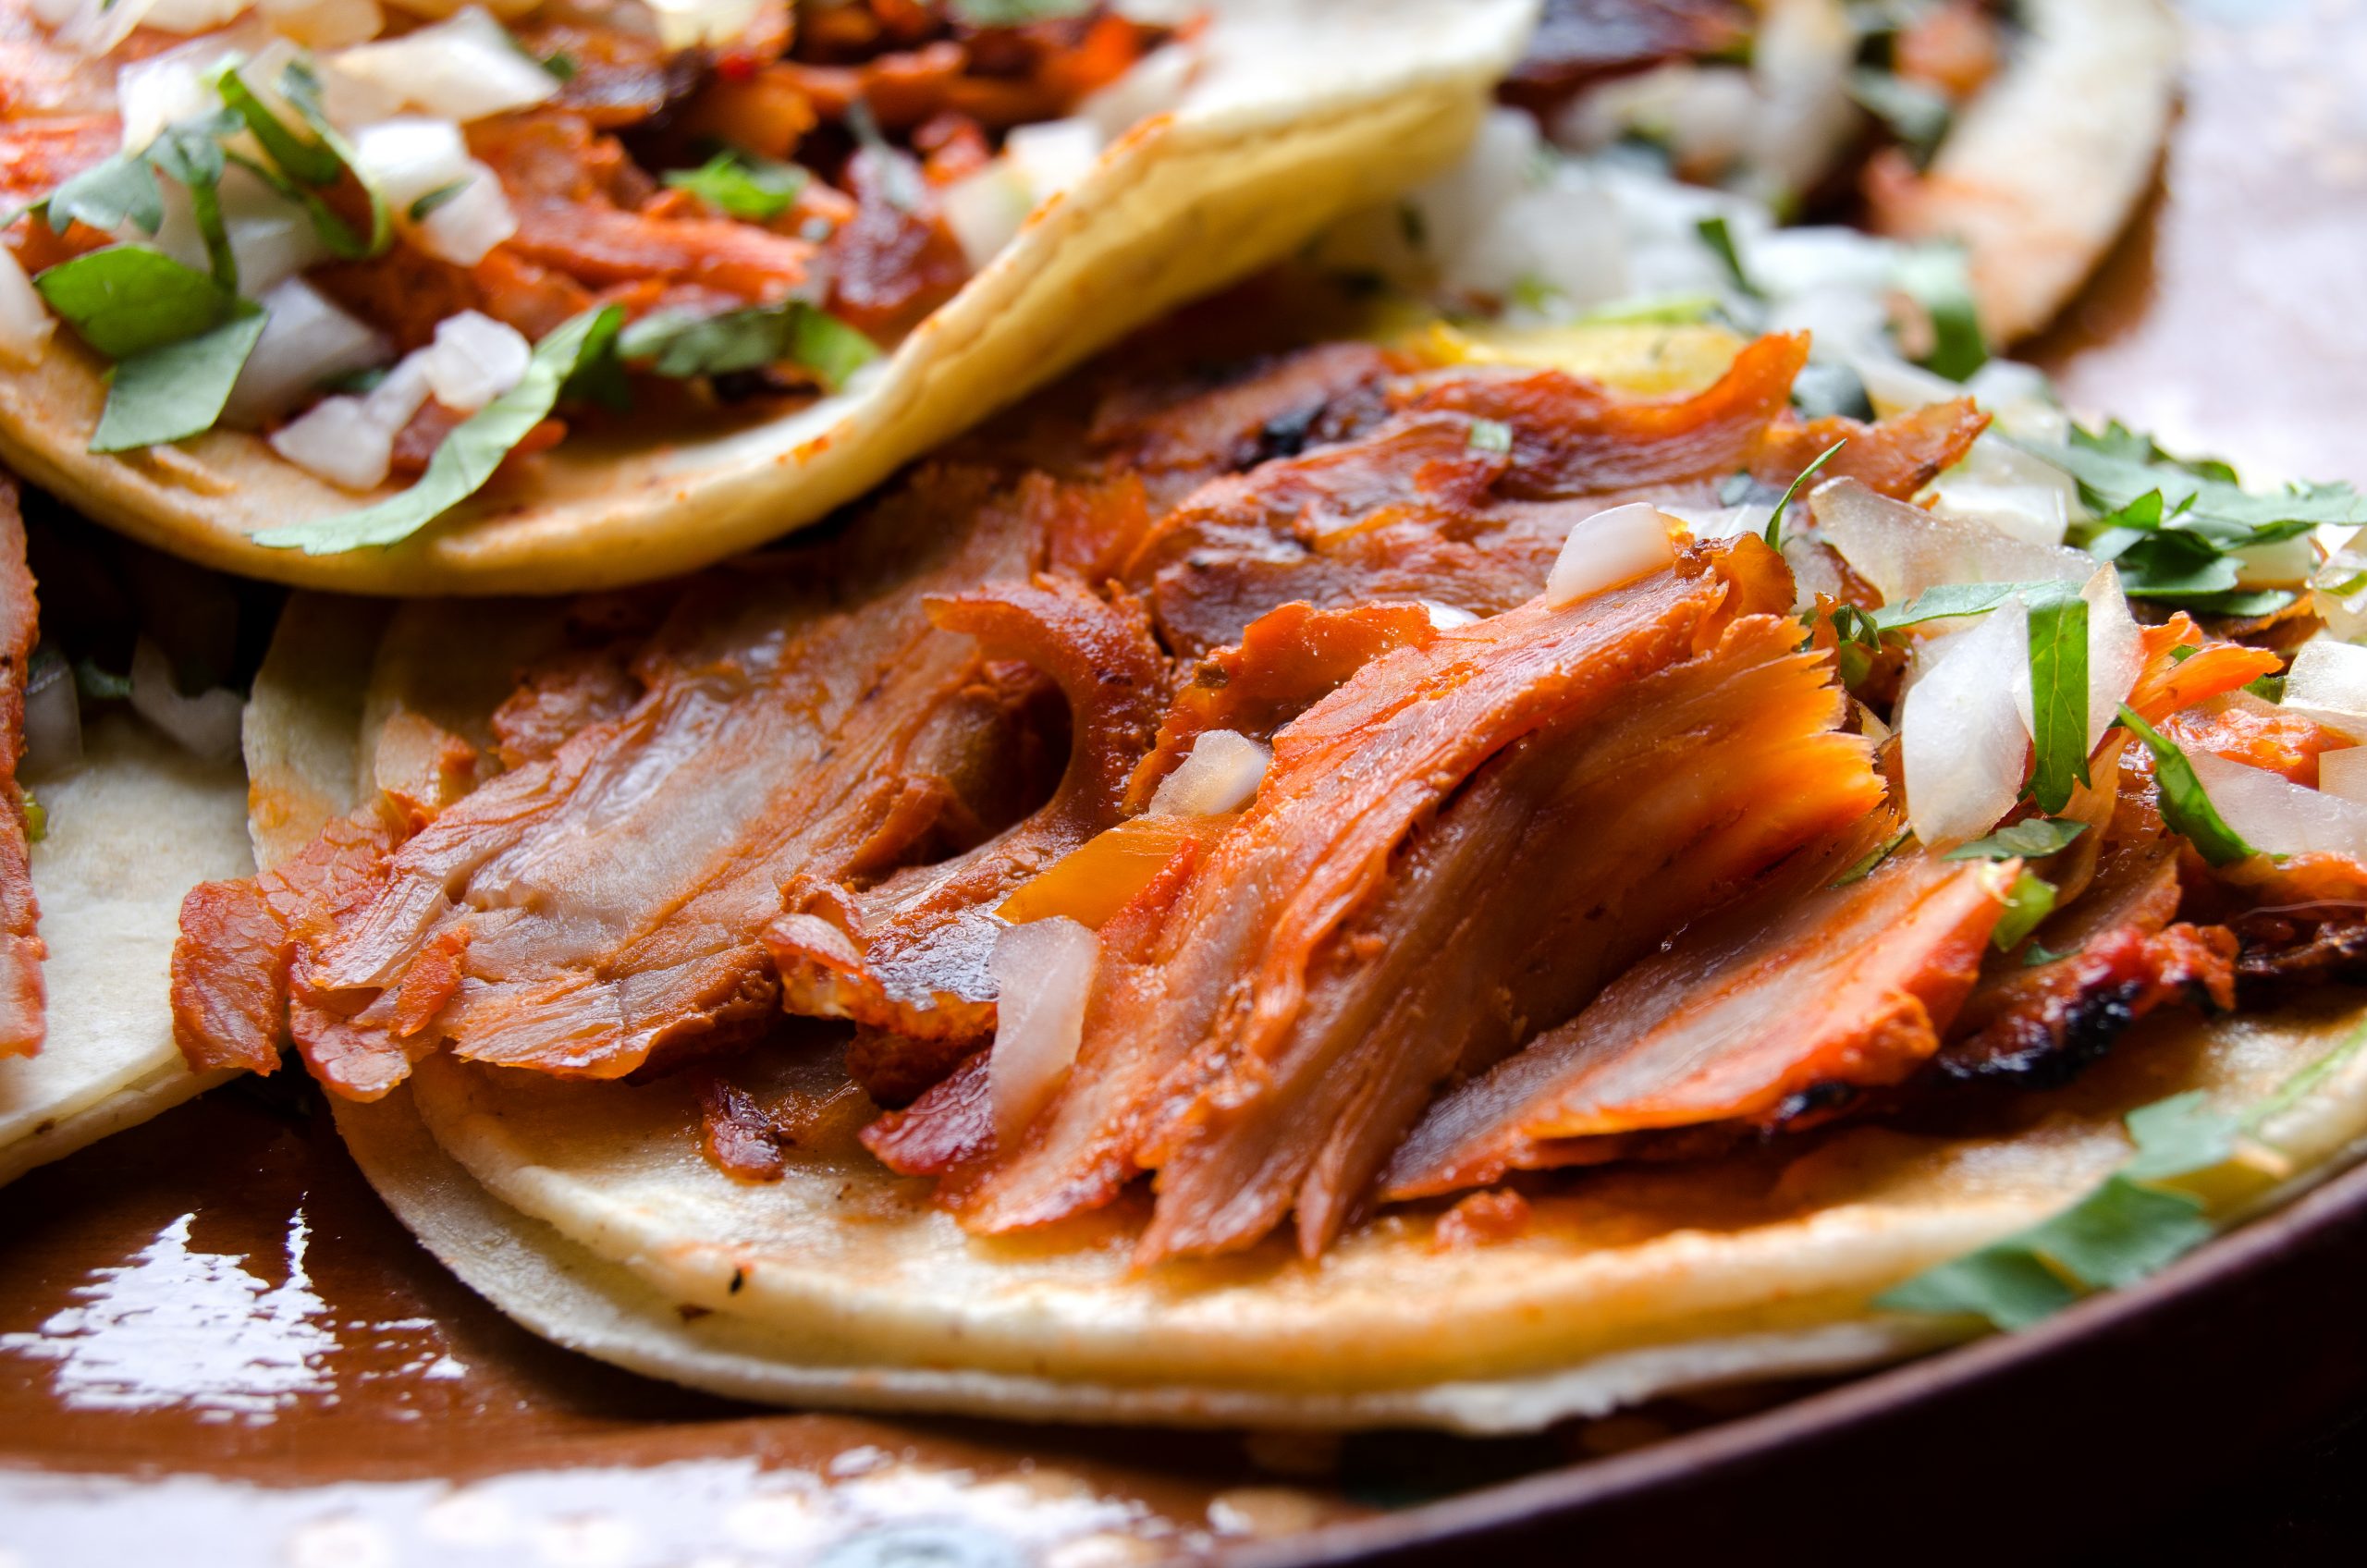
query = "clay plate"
{"x": 215, "y": 1346}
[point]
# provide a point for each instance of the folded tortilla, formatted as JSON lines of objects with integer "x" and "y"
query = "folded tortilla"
{"x": 586, "y": 1211}
{"x": 1305, "y": 109}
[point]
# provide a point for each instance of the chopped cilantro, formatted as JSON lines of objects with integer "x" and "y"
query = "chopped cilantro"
{"x": 36, "y": 819}
{"x": 1721, "y": 240}
{"x": 2034, "y": 839}
{"x": 127, "y": 298}
{"x": 2058, "y": 694}
{"x": 1864, "y": 866}
{"x": 425, "y": 205}
{"x": 176, "y": 390}
{"x": 2029, "y": 902}
{"x": 2184, "y": 806}
{"x": 1937, "y": 279}
{"x": 680, "y": 345}
{"x": 753, "y": 189}
{"x": 1775, "y": 519}
{"x": 470, "y": 453}
{"x": 1014, "y": 13}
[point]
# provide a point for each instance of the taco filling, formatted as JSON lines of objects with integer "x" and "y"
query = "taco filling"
{"x": 413, "y": 245}
{"x": 1359, "y": 780}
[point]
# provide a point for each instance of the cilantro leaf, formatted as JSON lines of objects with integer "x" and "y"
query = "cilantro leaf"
{"x": 2117, "y": 471}
{"x": 1014, "y": 13}
{"x": 753, "y": 189}
{"x": 423, "y": 208}
{"x": 1775, "y": 519}
{"x": 1949, "y": 600}
{"x": 2126, "y": 1228}
{"x": 470, "y": 453}
{"x": 302, "y": 169}
{"x": 176, "y": 390}
{"x": 107, "y": 195}
{"x": 2034, "y": 839}
{"x": 677, "y": 344}
{"x": 1937, "y": 277}
{"x": 2029, "y": 902}
{"x": 1721, "y": 240}
{"x": 2058, "y": 694}
{"x": 190, "y": 152}
{"x": 127, "y": 298}
{"x": 2185, "y": 807}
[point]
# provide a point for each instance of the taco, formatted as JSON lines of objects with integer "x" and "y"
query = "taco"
{"x": 122, "y": 820}
{"x": 1362, "y": 890}
{"x": 2021, "y": 136}
{"x": 606, "y": 291}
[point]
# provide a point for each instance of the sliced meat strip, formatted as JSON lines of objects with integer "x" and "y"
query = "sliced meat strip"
{"x": 909, "y": 954}
{"x": 1745, "y": 1020}
{"x": 1894, "y": 458}
{"x": 1565, "y": 858}
{"x": 1207, "y": 993}
{"x": 24, "y": 999}
{"x": 1288, "y": 659}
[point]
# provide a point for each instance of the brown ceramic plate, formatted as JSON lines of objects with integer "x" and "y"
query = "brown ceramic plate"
{"x": 215, "y": 1346}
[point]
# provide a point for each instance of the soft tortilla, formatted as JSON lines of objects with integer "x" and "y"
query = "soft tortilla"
{"x": 586, "y": 1211}
{"x": 134, "y": 825}
{"x": 1306, "y": 109}
{"x": 2044, "y": 168}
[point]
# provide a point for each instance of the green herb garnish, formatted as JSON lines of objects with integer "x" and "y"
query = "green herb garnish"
{"x": 2029, "y": 902}
{"x": 2034, "y": 839}
{"x": 2184, "y": 806}
{"x": 472, "y": 452}
{"x": 128, "y": 299}
{"x": 680, "y": 345}
{"x": 1721, "y": 240}
{"x": 1937, "y": 277}
{"x": 753, "y": 189}
{"x": 1776, "y": 518}
{"x": 2058, "y": 694}
{"x": 178, "y": 389}
{"x": 1490, "y": 435}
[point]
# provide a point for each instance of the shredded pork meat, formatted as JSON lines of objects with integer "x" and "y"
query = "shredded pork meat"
{"x": 23, "y": 997}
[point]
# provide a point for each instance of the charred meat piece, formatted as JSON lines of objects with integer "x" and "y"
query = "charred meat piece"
{"x": 23, "y": 997}
{"x": 1751, "y": 1018}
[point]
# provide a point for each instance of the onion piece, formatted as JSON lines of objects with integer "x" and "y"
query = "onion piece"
{"x": 2342, "y": 773}
{"x": 1152, "y": 85}
{"x": 25, "y": 321}
{"x": 475, "y": 360}
{"x": 2277, "y": 816}
{"x": 689, "y": 24}
{"x": 153, "y": 94}
{"x": 1963, "y": 728}
{"x": 462, "y": 227}
{"x": 1043, "y": 974}
{"x": 2022, "y": 401}
{"x": 463, "y": 68}
{"x": 2115, "y": 652}
{"x": 1902, "y": 550}
{"x": 1609, "y": 548}
{"x": 1221, "y": 775}
{"x": 1893, "y": 386}
{"x": 2328, "y": 683}
{"x": 190, "y": 17}
{"x": 1445, "y": 618}
{"x": 2027, "y": 497}
{"x": 985, "y": 210}
{"x": 350, "y": 441}
{"x": 1053, "y": 156}
{"x": 411, "y": 155}
{"x": 53, "y": 716}
{"x": 307, "y": 340}
{"x": 205, "y": 726}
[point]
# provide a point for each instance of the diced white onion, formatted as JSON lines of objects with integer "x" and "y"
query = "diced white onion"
{"x": 1053, "y": 156}
{"x": 1902, "y": 550}
{"x": 1445, "y": 618}
{"x": 1893, "y": 386}
{"x": 475, "y": 360}
{"x": 325, "y": 24}
{"x": 986, "y": 209}
{"x": 2328, "y": 683}
{"x": 1563, "y": 235}
{"x": 25, "y": 321}
{"x": 462, "y": 69}
{"x": 205, "y": 726}
{"x": 271, "y": 239}
{"x": 2287, "y": 563}
{"x": 2115, "y": 652}
{"x": 1221, "y": 775}
{"x": 95, "y": 26}
{"x": 1609, "y": 548}
{"x": 53, "y": 716}
{"x": 687, "y": 24}
{"x": 2342, "y": 773}
{"x": 411, "y": 156}
{"x": 2022, "y": 401}
{"x": 2276, "y": 815}
{"x": 349, "y": 440}
{"x": 469, "y": 223}
{"x": 151, "y": 95}
{"x": 1153, "y": 85}
{"x": 1711, "y": 523}
{"x": 1043, "y": 976}
{"x": 1800, "y": 56}
{"x": 1964, "y": 736}
{"x": 306, "y": 340}
{"x": 2002, "y": 485}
